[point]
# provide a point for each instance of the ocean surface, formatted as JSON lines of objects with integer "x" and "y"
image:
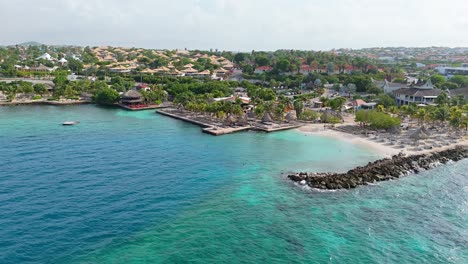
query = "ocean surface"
{"x": 137, "y": 187}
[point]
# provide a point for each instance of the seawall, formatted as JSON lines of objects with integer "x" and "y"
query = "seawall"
{"x": 380, "y": 170}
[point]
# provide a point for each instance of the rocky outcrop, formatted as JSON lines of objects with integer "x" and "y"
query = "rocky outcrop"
{"x": 380, "y": 170}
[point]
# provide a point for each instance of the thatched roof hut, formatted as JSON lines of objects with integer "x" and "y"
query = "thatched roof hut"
{"x": 291, "y": 116}
{"x": 242, "y": 120}
{"x": 267, "y": 118}
{"x": 230, "y": 120}
{"x": 418, "y": 134}
{"x": 425, "y": 130}
{"x": 132, "y": 97}
{"x": 394, "y": 130}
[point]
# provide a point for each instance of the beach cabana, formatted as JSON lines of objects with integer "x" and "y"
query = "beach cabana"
{"x": 418, "y": 135}
{"x": 131, "y": 97}
{"x": 394, "y": 130}
{"x": 267, "y": 118}
{"x": 291, "y": 116}
{"x": 230, "y": 120}
{"x": 242, "y": 120}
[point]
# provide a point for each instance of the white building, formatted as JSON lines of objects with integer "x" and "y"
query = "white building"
{"x": 425, "y": 94}
{"x": 452, "y": 70}
{"x": 45, "y": 56}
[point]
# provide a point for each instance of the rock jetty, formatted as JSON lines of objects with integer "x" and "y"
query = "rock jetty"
{"x": 379, "y": 170}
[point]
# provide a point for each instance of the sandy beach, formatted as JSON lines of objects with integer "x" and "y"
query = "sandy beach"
{"x": 384, "y": 150}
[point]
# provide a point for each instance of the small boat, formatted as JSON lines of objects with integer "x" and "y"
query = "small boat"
{"x": 70, "y": 123}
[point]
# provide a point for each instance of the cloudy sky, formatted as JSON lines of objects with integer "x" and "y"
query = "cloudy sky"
{"x": 236, "y": 24}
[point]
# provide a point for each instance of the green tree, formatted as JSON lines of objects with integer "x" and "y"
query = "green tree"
{"x": 442, "y": 99}
{"x": 442, "y": 113}
{"x": 282, "y": 65}
{"x": 239, "y": 57}
{"x": 460, "y": 80}
{"x": 337, "y": 103}
{"x": 421, "y": 115}
{"x": 298, "y": 106}
{"x": 449, "y": 85}
{"x": 75, "y": 65}
{"x": 106, "y": 96}
{"x": 458, "y": 100}
{"x": 437, "y": 80}
{"x": 262, "y": 60}
{"x": 386, "y": 100}
{"x": 40, "y": 88}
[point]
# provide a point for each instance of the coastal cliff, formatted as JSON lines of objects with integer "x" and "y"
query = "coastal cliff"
{"x": 380, "y": 170}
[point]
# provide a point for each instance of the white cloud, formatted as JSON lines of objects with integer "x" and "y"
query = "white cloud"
{"x": 236, "y": 24}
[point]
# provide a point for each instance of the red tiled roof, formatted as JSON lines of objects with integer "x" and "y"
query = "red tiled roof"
{"x": 264, "y": 68}
{"x": 359, "y": 102}
{"x": 308, "y": 68}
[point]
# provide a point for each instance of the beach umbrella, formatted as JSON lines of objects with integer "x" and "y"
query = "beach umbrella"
{"x": 394, "y": 130}
{"x": 425, "y": 130}
{"x": 267, "y": 118}
{"x": 291, "y": 116}
{"x": 242, "y": 120}
{"x": 418, "y": 134}
{"x": 230, "y": 120}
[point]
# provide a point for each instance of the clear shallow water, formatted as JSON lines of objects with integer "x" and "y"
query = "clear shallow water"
{"x": 136, "y": 187}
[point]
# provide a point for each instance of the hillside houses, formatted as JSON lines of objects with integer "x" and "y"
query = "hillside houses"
{"x": 128, "y": 60}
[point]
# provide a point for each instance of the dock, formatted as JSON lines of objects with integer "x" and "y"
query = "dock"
{"x": 147, "y": 107}
{"x": 217, "y": 128}
{"x": 218, "y": 131}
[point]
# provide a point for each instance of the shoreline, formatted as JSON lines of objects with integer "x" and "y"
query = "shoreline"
{"x": 381, "y": 149}
{"x": 44, "y": 102}
{"x": 380, "y": 170}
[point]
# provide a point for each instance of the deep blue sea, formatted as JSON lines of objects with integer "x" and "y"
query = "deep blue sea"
{"x": 137, "y": 187}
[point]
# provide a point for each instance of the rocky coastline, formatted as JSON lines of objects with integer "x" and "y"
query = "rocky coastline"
{"x": 379, "y": 170}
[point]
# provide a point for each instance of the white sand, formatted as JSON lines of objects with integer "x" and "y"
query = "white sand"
{"x": 384, "y": 150}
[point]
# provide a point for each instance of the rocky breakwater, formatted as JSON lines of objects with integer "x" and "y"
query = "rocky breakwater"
{"x": 379, "y": 170}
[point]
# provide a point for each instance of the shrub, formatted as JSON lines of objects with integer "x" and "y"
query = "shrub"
{"x": 309, "y": 115}
{"x": 377, "y": 120}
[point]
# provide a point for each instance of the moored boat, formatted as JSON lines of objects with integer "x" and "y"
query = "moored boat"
{"x": 70, "y": 123}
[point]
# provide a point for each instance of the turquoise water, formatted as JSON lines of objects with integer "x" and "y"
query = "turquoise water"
{"x": 136, "y": 187}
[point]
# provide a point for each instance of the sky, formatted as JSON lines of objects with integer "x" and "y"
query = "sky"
{"x": 236, "y": 25}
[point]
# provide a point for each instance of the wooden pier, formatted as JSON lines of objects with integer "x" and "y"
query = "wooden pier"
{"x": 217, "y": 130}
{"x": 149, "y": 107}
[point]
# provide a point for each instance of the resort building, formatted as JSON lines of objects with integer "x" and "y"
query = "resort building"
{"x": 45, "y": 56}
{"x": 244, "y": 101}
{"x": 390, "y": 87}
{"x": 263, "y": 69}
{"x": 459, "y": 91}
{"x": 359, "y": 104}
{"x": 221, "y": 72}
{"x": 406, "y": 96}
{"x": 190, "y": 72}
{"x": 450, "y": 71}
{"x": 307, "y": 69}
{"x": 120, "y": 69}
{"x": 62, "y": 61}
{"x": 42, "y": 68}
{"x": 202, "y": 74}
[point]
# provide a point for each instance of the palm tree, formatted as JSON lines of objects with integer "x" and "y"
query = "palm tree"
{"x": 456, "y": 118}
{"x": 442, "y": 99}
{"x": 442, "y": 114}
{"x": 421, "y": 114}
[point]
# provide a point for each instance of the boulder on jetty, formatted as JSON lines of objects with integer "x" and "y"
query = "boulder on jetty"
{"x": 380, "y": 170}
